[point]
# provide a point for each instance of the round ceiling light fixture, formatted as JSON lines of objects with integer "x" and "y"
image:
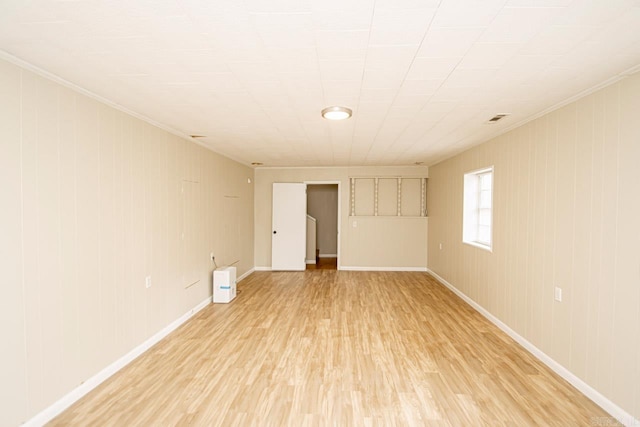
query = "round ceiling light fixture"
{"x": 336, "y": 113}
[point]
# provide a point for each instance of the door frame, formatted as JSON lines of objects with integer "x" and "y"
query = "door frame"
{"x": 339, "y": 213}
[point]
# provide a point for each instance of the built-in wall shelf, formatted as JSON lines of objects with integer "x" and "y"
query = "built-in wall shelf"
{"x": 387, "y": 196}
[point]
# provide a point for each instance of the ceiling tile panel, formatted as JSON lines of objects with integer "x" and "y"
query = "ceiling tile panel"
{"x": 449, "y": 41}
{"x": 422, "y": 76}
{"x": 519, "y": 25}
{"x": 489, "y": 55}
{"x": 400, "y": 26}
{"x": 432, "y": 68}
{"x": 466, "y": 13}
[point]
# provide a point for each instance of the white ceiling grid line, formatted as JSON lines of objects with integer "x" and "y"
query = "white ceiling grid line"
{"x": 422, "y": 76}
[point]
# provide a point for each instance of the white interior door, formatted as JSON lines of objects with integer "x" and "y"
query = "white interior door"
{"x": 289, "y": 226}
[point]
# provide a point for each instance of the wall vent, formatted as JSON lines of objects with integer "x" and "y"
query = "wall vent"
{"x": 497, "y": 118}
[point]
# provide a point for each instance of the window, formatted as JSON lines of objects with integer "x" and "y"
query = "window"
{"x": 478, "y": 207}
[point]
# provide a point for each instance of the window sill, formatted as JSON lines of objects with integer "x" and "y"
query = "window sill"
{"x": 479, "y": 245}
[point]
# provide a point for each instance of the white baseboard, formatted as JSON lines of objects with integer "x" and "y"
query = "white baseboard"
{"x": 310, "y": 261}
{"x": 263, "y": 268}
{"x": 617, "y": 412}
{"x": 74, "y": 395}
{"x": 245, "y": 275}
{"x": 327, "y": 255}
{"x": 358, "y": 268}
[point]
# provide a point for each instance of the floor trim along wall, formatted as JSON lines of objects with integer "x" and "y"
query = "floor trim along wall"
{"x": 262, "y": 268}
{"x": 357, "y": 268}
{"x": 617, "y": 412}
{"x": 245, "y": 274}
{"x": 84, "y": 388}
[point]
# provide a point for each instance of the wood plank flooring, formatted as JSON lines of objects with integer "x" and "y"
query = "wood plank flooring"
{"x": 324, "y": 264}
{"x": 336, "y": 348}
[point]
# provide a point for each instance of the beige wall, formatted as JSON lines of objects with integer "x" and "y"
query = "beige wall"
{"x": 92, "y": 202}
{"x": 567, "y": 214}
{"x": 322, "y": 204}
{"x": 312, "y": 226}
{"x": 375, "y": 242}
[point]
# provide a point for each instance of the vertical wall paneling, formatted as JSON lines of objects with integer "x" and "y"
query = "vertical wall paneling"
{"x": 566, "y": 211}
{"x": 91, "y": 206}
{"x": 626, "y": 295}
{"x": 13, "y": 370}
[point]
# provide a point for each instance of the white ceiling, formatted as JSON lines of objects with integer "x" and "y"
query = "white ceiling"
{"x": 422, "y": 76}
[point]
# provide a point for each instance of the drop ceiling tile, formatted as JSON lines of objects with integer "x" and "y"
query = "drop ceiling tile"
{"x": 557, "y": 40}
{"x": 278, "y": 6}
{"x": 449, "y": 41}
{"x": 432, "y": 68}
{"x": 254, "y": 71}
{"x": 522, "y": 68}
{"x": 265, "y": 76}
{"x": 357, "y": 6}
{"x": 400, "y": 26}
{"x": 451, "y": 94}
{"x": 413, "y": 101}
{"x": 341, "y": 92}
{"x": 469, "y": 77}
{"x": 377, "y": 96}
{"x": 419, "y": 87}
{"x": 334, "y": 20}
{"x": 205, "y": 60}
{"x": 538, "y": 3}
{"x": 342, "y": 70}
{"x": 489, "y": 55}
{"x": 466, "y": 13}
{"x": 383, "y": 76}
{"x": 351, "y": 39}
{"x": 519, "y": 25}
{"x": 285, "y": 30}
{"x": 294, "y": 61}
{"x": 407, "y": 4}
{"x": 400, "y": 55}
{"x": 592, "y": 13}
{"x": 341, "y": 53}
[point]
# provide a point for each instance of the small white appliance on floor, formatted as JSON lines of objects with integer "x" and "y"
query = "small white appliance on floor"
{"x": 224, "y": 285}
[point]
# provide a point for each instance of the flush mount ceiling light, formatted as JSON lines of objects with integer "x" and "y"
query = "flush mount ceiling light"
{"x": 336, "y": 113}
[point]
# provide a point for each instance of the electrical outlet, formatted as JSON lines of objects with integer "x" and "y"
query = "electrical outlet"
{"x": 355, "y": 224}
{"x": 558, "y": 294}
{"x": 440, "y": 246}
{"x": 147, "y": 282}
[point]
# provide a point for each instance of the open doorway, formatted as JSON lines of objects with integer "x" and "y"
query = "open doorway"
{"x": 323, "y": 243}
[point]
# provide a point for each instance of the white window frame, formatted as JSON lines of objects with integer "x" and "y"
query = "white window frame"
{"x": 472, "y": 209}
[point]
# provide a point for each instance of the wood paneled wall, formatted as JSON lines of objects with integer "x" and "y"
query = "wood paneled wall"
{"x": 566, "y": 214}
{"x": 93, "y": 201}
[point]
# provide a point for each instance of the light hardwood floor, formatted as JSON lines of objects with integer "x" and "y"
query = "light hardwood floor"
{"x": 326, "y": 347}
{"x": 324, "y": 264}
